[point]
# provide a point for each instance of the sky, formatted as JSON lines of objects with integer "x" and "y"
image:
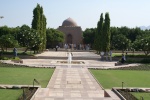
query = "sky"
{"x": 86, "y": 13}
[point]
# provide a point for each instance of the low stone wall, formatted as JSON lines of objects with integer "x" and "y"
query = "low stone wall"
{"x": 17, "y": 86}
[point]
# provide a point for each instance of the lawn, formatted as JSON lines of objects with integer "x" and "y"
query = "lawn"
{"x": 131, "y": 78}
{"x": 114, "y": 78}
{"x": 25, "y": 75}
{"x": 10, "y": 94}
{"x": 18, "y": 75}
{"x": 139, "y": 96}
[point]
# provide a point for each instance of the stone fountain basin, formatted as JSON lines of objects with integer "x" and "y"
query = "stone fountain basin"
{"x": 72, "y": 62}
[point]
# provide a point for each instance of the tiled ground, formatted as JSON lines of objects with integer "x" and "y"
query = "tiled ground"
{"x": 71, "y": 84}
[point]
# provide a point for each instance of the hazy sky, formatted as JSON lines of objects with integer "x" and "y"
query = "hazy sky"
{"x": 86, "y": 13}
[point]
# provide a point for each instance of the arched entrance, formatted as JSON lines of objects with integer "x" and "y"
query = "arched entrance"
{"x": 69, "y": 39}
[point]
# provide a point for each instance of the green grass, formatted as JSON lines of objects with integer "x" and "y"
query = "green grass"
{"x": 10, "y": 94}
{"x": 146, "y": 96}
{"x": 131, "y": 78}
{"x": 143, "y": 67}
{"x": 19, "y": 75}
{"x": 114, "y": 78}
{"x": 136, "y": 55}
{"x": 24, "y": 75}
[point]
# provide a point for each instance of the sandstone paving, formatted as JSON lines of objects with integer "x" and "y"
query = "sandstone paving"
{"x": 71, "y": 84}
{"x": 54, "y": 62}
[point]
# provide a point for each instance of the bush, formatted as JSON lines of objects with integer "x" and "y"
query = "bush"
{"x": 145, "y": 60}
{"x": 131, "y": 61}
{"x": 4, "y": 58}
{"x": 15, "y": 58}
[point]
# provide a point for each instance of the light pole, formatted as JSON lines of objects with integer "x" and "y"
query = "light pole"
{"x": 34, "y": 80}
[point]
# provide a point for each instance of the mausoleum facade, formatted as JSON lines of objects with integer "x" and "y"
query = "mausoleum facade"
{"x": 72, "y": 32}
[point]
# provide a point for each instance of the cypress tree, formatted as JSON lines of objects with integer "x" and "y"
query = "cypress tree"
{"x": 39, "y": 24}
{"x": 44, "y": 32}
{"x": 96, "y": 40}
{"x": 98, "y": 36}
{"x": 106, "y": 33}
{"x": 101, "y": 33}
{"x": 36, "y": 18}
{"x": 41, "y": 28}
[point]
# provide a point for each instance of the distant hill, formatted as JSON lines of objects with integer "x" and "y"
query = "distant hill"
{"x": 144, "y": 27}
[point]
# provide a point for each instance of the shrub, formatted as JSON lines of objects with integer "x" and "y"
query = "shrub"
{"x": 15, "y": 58}
{"x": 4, "y": 58}
{"x": 132, "y": 61}
{"x": 145, "y": 60}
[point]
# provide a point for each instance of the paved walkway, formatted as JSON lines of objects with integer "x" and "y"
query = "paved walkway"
{"x": 90, "y": 59}
{"x": 71, "y": 84}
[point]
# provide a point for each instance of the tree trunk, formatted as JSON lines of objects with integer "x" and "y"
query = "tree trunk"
{"x": 146, "y": 53}
{"x": 26, "y": 49}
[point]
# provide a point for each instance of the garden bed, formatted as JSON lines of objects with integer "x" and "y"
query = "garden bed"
{"x": 28, "y": 93}
{"x": 126, "y": 94}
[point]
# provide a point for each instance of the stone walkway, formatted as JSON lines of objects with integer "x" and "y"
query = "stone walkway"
{"x": 90, "y": 59}
{"x": 71, "y": 84}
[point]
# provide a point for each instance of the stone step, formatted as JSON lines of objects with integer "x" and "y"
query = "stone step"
{"x": 112, "y": 94}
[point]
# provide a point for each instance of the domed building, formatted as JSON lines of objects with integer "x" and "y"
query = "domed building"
{"x": 73, "y": 32}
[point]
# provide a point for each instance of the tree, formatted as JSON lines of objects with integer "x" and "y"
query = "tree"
{"x": 142, "y": 43}
{"x": 88, "y": 36}
{"x": 54, "y": 37}
{"x": 29, "y": 38}
{"x": 23, "y": 35}
{"x": 120, "y": 42}
{"x": 133, "y": 33}
{"x": 4, "y": 30}
{"x": 106, "y": 34}
{"x": 114, "y": 31}
{"x": 36, "y": 18}
{"x": 39, "y": 24}
{"x": 99, "y": 35}
{"x": 44, "y": 32}
{"x": 7, "y": 41}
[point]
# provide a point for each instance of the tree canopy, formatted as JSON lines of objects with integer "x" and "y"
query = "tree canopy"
{"x": 7, "y": 41}
{"x": 29, "y": 38}
{"x": 39, "y": 24}
{"x": 54, "y": 37}
{"x": 142, "y": 43}
{"x": 88, "y": 36}
{"x": 121, "y": 42}
{"x": 102, "y": 36}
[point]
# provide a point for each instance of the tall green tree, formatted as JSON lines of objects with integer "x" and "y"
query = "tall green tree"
{"x": 44, "y": 32}
{"x": 36, "y": 18}
{"x": 99, "y": 34}
{"x": 39, "y": 24}
{"x": 106, "y": 34}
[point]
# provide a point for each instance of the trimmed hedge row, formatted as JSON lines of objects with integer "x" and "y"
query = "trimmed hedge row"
{"x": 144, "y": 60}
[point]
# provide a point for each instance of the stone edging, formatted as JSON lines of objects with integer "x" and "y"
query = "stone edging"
{"x": 17, "y": 86}
{"x": 96, "y": 80}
